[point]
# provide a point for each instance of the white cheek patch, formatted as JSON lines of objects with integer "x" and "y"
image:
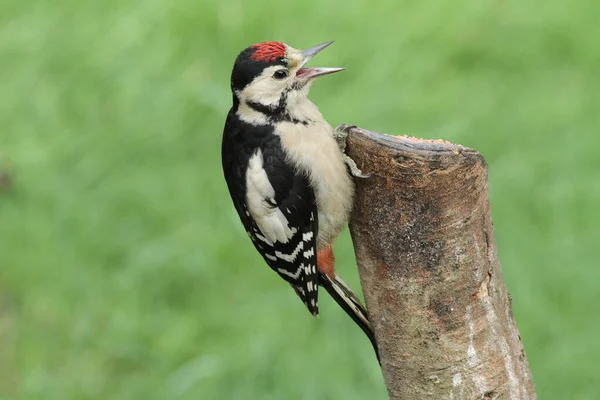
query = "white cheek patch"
{"x": 259, "y": 197}
{"x": 264, "y": 89}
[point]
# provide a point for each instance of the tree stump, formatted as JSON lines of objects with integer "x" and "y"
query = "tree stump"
{"x": 424, "y": 243}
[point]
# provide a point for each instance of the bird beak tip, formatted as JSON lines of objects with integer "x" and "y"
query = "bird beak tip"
{"x": 311, "y": 52}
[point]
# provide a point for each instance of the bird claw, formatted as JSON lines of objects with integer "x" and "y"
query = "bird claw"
{"x": 340, "y": 133}
{"x": 354, "y": 170}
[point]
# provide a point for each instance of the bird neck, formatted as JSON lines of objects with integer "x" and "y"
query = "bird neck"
{"x": 297, "y": 109}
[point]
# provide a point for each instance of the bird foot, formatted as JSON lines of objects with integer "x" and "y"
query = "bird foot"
{"x": 340, "y": 133}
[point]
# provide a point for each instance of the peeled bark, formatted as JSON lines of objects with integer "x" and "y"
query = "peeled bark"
{"x": 424, "y": 242}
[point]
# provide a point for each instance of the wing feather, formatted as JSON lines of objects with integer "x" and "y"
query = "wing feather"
{"x": 279, "y": 213}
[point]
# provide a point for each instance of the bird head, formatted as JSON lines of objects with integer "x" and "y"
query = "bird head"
{"x": 272, "y": 75}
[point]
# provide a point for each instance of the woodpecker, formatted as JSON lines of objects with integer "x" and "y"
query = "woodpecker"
{"x": 287, "y": 174}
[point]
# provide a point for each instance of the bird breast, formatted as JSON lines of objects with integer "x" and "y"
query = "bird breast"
{"x": 313, "y": 150}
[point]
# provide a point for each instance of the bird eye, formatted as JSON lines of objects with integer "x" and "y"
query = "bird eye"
{"x": 280, "y": 74}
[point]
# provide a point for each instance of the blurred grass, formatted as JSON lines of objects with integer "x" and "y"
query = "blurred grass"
{"x": 124, "y": 272}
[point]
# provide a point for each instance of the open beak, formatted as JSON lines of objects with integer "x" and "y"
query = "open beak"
{"x": 308, "y": 73}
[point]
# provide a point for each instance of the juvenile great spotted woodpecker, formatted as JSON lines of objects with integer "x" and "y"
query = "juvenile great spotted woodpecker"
{"x": 287, "y": 174}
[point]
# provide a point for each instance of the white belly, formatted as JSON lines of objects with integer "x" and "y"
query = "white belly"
{"x": 314, "y": 150}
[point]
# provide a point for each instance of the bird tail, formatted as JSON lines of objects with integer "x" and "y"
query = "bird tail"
{"x": 350, "y": 303}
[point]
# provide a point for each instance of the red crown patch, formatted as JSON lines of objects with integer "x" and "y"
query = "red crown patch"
{"x": 268, "y": 51}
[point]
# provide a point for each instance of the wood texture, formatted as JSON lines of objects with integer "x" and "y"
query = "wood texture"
{"x": 424, "y": 242}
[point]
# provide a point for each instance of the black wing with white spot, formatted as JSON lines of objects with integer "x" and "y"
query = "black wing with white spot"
{"x": 277, "y": 207}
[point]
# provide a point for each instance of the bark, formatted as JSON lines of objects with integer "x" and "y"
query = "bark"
{"x": 424, "y": 242}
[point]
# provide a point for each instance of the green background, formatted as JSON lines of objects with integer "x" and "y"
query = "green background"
{"x": 124, "y": 271}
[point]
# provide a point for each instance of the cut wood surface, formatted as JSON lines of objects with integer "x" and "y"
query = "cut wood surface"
{"x": 424, "y": 243}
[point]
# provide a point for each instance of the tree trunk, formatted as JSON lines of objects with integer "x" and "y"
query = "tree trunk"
{"x": 424, "y": 242}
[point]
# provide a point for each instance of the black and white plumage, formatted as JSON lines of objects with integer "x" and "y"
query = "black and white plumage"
{"x": 285, "y": 173}
{"x": 275, "y": 203}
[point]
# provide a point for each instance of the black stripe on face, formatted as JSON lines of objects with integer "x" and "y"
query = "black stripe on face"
{"x": 269, "y": 110}
{"x": 277, "y": 112}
